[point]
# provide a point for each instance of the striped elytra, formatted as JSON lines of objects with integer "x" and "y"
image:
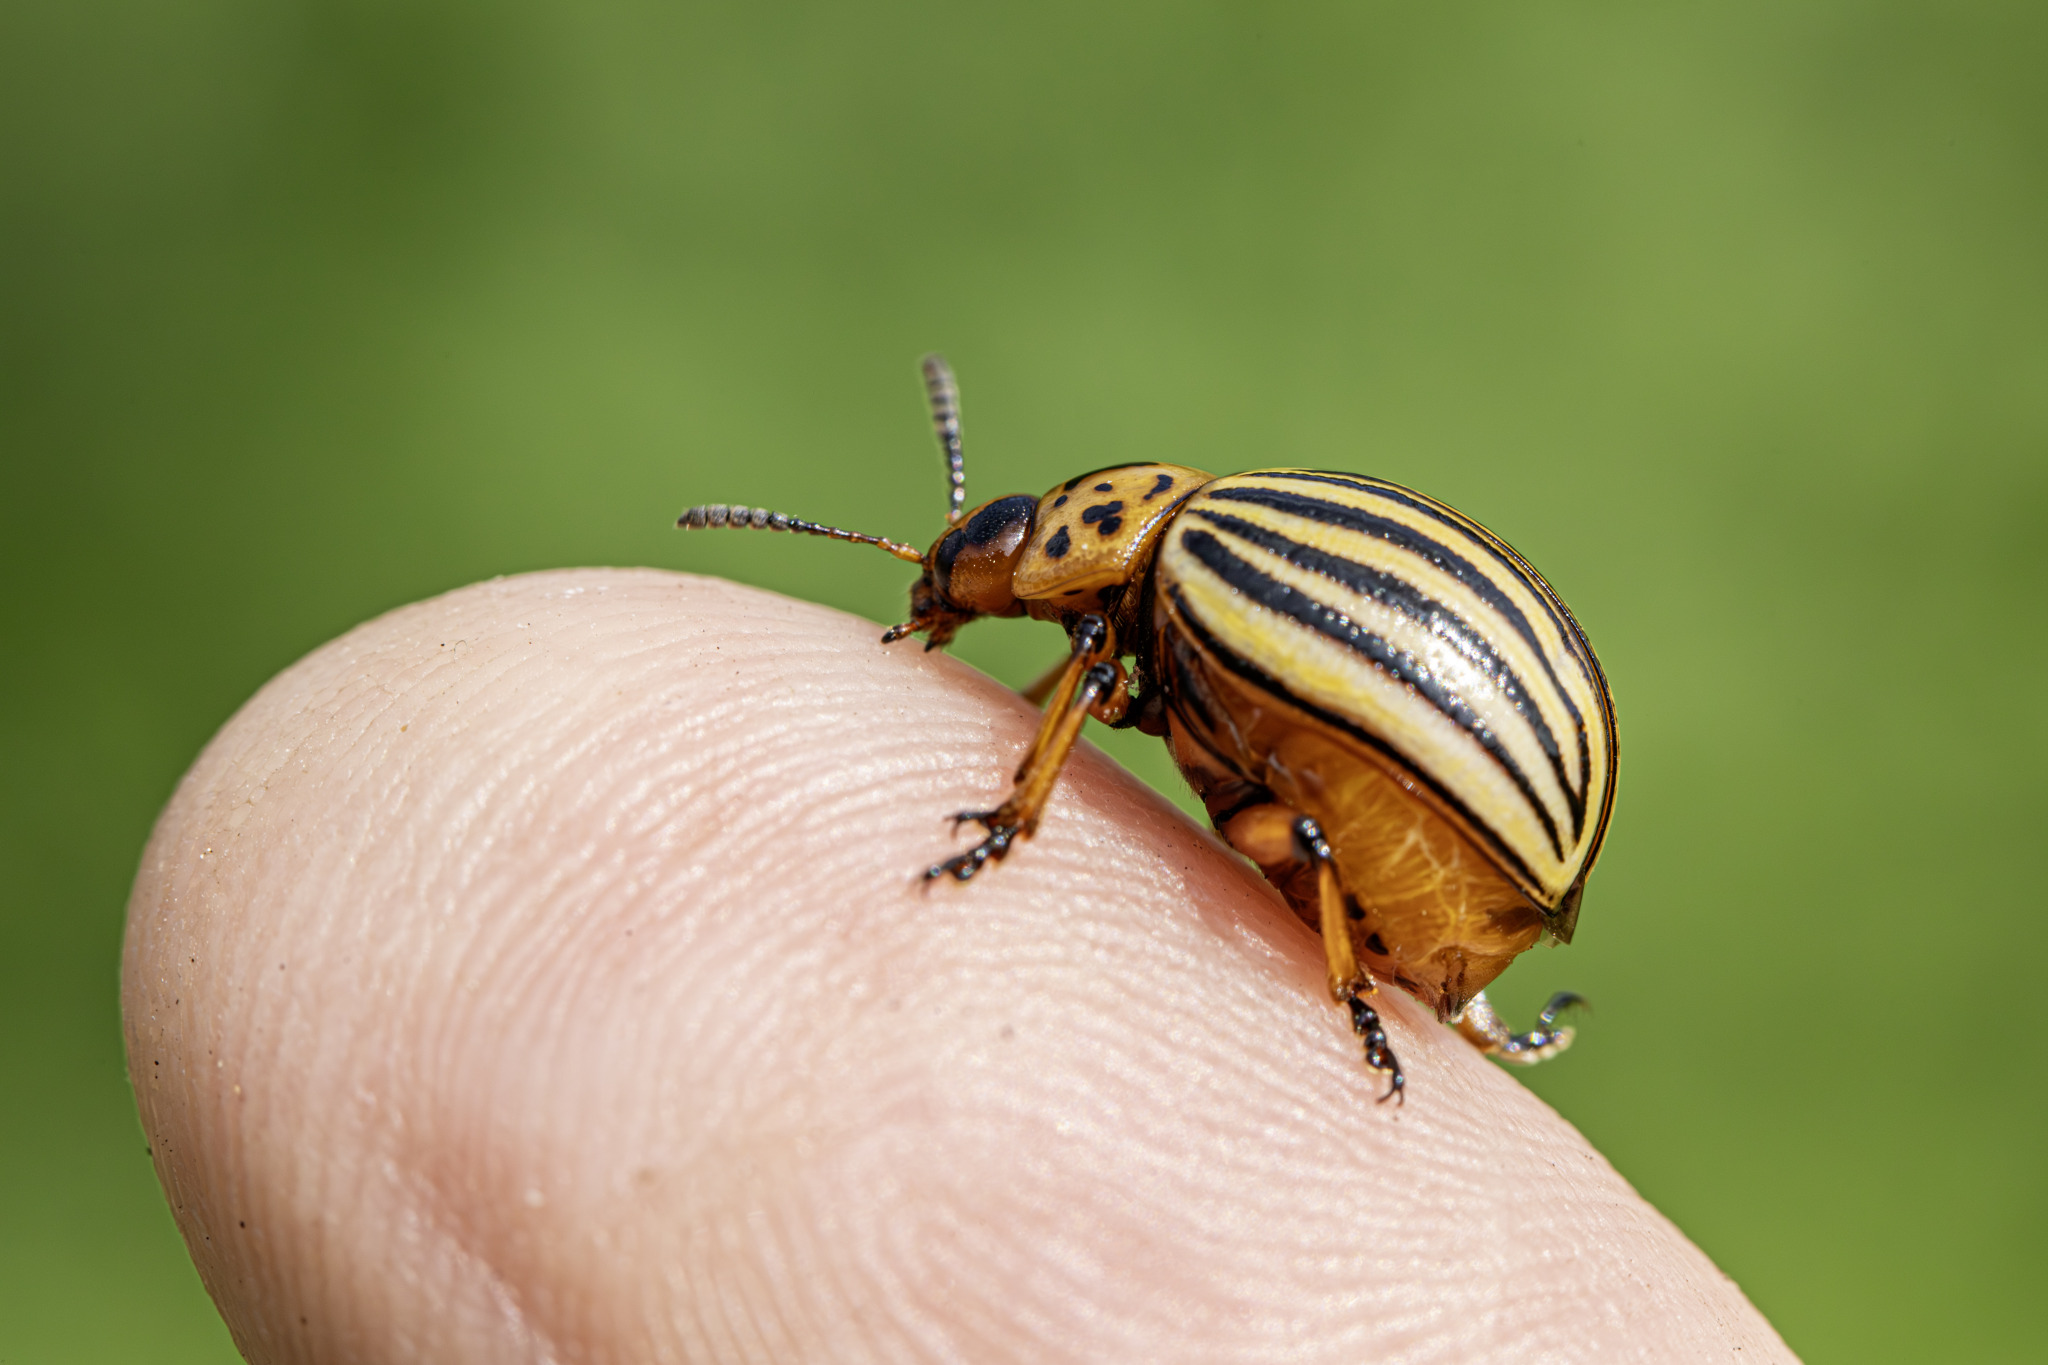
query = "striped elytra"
{"x": 1378, "y": 701}
{"x": 1394, "y": 669}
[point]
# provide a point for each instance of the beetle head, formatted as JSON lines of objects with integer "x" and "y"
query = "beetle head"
{"x": 969, "y": 570}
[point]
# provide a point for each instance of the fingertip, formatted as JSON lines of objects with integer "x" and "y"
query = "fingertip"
{"x": 619, "y": 1018}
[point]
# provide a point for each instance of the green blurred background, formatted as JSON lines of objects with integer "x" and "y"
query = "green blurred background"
{"x": 1732, "y": 316}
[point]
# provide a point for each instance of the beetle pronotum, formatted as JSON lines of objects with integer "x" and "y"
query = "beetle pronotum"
{"x": 1378, "y": 701}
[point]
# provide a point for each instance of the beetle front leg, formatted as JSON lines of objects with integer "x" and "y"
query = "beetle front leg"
{"x": 1091, "y": 683}
{"x": 1088, "y": 645}
{"x": 1017, "y": 818}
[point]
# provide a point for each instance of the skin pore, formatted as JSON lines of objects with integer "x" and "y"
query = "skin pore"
{"x": 543, "y": 973}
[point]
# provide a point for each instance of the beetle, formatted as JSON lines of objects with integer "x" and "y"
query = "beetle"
{"x": 1378, "y": 701}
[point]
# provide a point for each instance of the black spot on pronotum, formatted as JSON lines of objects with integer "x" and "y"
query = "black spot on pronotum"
{"x": 1374, "y": 944}
{"x": 1057, "y": 547}
{"x": 1060, "y": 501}
{"x": 1098, "y": 512}
{"x": 1105, "y": 487}
{"x": 1111, "y": 525}
{"x": 1160, "y": 483}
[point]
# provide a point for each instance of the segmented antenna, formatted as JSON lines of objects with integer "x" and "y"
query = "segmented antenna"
{"x": 945, "y": 398}
{"x": 761, "y": 519}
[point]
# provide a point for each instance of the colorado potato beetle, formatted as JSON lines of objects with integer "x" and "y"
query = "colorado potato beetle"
{"x": 1377, "y": 700}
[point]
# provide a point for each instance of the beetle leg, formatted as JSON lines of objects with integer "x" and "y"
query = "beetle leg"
{"x": 1090, "y": 645}
{"x": 1111, "y": 703}
{"x": 1348, "y": 985}
{"x": 1017, "y": 817}
{"x": 1346, "y": 980}
{"x": 1042, "y": 686}
{"x": 1485, "y": 1030}
{"x": 1279, "y": 839}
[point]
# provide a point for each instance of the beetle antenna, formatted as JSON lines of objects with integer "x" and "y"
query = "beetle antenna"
{"x": 761, "y": 519}
{"x": 945, "y": 400}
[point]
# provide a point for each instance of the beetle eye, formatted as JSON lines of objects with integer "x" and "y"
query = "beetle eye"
{"x": 973, "y": 564}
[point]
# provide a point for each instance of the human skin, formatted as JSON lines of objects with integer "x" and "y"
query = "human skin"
{"x": 540, "y": 973}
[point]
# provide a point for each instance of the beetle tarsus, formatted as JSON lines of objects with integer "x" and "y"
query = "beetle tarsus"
{"x": 989, "y": 850}
{"x": 1365, "y": 1022}
{"x": 1486, "y": 1031}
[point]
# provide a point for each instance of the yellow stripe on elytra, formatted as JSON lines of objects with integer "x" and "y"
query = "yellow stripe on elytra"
{"x": 1458, "y": 673}
{"x": 1574, "y": 670}
{"x": 1439, "y": 585}
{"x": 1338, "y": 679}
{"x": 1474, "y": 547}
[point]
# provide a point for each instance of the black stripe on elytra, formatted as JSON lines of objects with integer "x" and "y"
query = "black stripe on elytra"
{"x": 1399, "y": 595}
{"x": 1192, "y": 694}
{"x": 1508, "y": 558}
{"x": 1405, "y": 537}
{"x": 1266, "y": 682}
{"x": 1500, "y": 551}
{"x": 1403, "y": 497}
{"x": 1398, "y": 664}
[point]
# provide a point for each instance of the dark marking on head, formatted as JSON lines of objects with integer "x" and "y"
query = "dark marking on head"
{"x": 1097, "y": 513}
{"x": 983, "y": 527}
{"x": 1160, "y": 483}
{"x": 1060, "y": 501}
{"x": 1353, "y": 910}
{"x": 1111, "y": 525}
{"x": 1058, "y": 546}
{"x": 1374, "y": 944}
{"x": 999, "y": 516}
{"x": 1105, "y": 487}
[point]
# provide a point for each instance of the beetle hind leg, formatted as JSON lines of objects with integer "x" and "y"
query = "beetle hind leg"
{"x": 1276, "y": 837}
{"x": 1486, "y": 1030}
{"x": 1365, "y": 1022}
{"x": 1348, "y": 983}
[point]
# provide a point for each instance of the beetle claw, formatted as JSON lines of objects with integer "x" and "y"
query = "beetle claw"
{"x": 1365, "y": 1022}
{"x": 984, "y": 818}
{"x": 1486, "y": 1030}
{"x": 963, "y": 866}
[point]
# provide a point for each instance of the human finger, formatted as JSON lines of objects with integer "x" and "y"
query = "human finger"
{"x": 541, "y": 972}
